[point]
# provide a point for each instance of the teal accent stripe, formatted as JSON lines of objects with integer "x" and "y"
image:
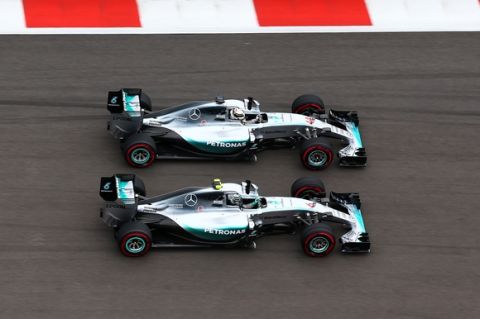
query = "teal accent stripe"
{"x": 121, "y": 192}
{"x": 356, "y": 135}
{"x": 127, "y": 100}
{"x": 358, "y": 216}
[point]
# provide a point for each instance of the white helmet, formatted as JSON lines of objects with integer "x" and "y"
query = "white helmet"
{"x": 237, "y": 113}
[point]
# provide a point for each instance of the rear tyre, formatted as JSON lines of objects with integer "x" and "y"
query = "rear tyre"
{"x": 308, "y": 188}
{"x": 145, "y": 102}
{"x": 139, "y": 187}
{"x": 317, "y": 240}
{"x": 316, "y": 153}
{"x": 134, "y": 239}
{"x": 139, "y": 150}
{"x": 308, "y": 105}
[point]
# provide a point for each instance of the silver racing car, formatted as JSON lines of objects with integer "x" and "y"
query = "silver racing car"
{"x": 229, "y": 215}
{"x": 232, "y": 129}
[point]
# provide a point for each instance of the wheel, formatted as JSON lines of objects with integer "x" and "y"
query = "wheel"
{"x": 145, "y": 102}
{"x": 316, "y": 153}
{"x": 134, "y": 239}
{"x": 139, "y": 187}
{"x": 308, "y": 105}
{"x": 318, "y": 240}
{"x": 308, "y": 188}
{"x": 139, "y": 150}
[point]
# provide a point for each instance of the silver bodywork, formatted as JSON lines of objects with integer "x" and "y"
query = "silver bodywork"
{"x": 216, "y": 219}
{"x": 228, "y": 133}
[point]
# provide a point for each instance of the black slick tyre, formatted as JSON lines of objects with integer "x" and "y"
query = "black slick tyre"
{"x": 139, "y": 150}
{"x": 134, "y": 239}
{"x": 139, "y": 187}
{"x": 308, "y": 105}
{"x": 308, "y": 188}
{"x": 316, "y": 153}
{"x": 145, "y": 102}
{"x": 317, "y": 240}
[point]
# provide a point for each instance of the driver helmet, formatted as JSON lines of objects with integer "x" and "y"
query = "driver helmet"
{"x": 237, "y": 113}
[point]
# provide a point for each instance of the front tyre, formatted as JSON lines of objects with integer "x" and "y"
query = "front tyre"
{"x": 309, "y": 188}
{"x": 316, "y": 153}
{"x": 134, "y": 239}
{"x": 317, "y": 240}
{"x": 139, "y": 150}
{"x": 308, "y": 105}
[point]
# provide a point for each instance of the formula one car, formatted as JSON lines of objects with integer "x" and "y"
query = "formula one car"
{"x": 229, "y": 215}
{"x": 231, "y": 129}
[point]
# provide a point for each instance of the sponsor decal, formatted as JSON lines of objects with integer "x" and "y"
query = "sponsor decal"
{"x": 226, "y": 144}
{"x": 203, "y": 122}
{"x": 224, "y": 231}
{"x": 191, "y": 200}
{"x": 175, "y": 205}
{"x": 200, "y": 208}
{"x": 110, "y": 205}
{"x": 310, "y": 120}
{"x": 311, "y": 204}
{"x": 194, "y": 114}
{"x": 149, "y": 210}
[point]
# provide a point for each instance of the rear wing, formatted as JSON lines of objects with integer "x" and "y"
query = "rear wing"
{"x": 119, "y": 186}
{"x": 354, "y": 154}
{"x": 125, "y": 100}
{"x": 357, "y": 239}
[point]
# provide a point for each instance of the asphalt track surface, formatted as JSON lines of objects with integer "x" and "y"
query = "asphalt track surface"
{"x": 418, "y": 100}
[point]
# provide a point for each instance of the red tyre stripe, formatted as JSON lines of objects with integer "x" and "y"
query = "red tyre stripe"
{"x": 81, "y": 13}
{"x": 272, "y": 13}
{"x": 130, "y": 235}
{"x": 311, "y": 236}
{"x": 318, "y": 147}
{"x": 315, "y": 189}
{"x": 301, "y": 108}
{"x": 133, "y": 147}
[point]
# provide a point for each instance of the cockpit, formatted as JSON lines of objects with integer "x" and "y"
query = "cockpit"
{"x": 238, "y": 114}
{"x": 245, "y": 197}
{"x": 235, "y": 200}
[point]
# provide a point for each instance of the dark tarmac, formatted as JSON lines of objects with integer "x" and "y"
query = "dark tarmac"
{"x": 417, "y": 95}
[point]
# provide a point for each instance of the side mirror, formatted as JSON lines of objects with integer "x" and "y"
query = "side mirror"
{"x": 250, "y": 102}
{"x": 263, "y": 202}
{"x": 248, "y": 185}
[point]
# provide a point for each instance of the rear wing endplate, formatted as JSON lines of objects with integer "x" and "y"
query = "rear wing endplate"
{"x": 125, "y": 100}
{"x": 119, "y": 186}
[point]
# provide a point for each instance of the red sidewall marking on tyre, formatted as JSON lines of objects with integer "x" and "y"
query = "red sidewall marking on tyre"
{"x": 304, "y": 107}
{"x": 306, "y": 242}
{"x": 321, "y": 148}
{"x": 148, "y": 244}
{"x": 133, "y": 147}
{"x": 316, "y": 189}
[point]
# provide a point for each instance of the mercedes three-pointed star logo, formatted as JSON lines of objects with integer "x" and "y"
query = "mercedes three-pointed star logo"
{"x": 191, "y": 200}
{"x": 194, "y": 114}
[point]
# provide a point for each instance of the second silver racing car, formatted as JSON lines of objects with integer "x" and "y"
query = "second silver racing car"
{"x": 229, "y": 215}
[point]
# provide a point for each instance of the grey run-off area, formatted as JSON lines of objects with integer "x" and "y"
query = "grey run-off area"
{"x": 418, "y": 100}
